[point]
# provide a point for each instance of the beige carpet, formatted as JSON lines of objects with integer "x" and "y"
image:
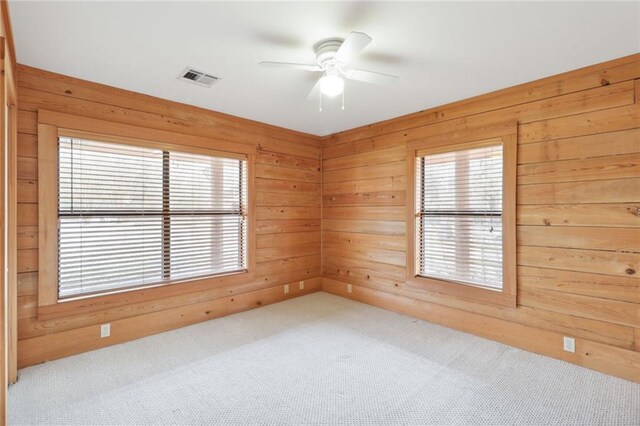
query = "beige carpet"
{"x": 319, "y": 359}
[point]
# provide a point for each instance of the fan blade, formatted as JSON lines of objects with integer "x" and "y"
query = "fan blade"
{"x": 351, "y": 46}
{"x": 371, "y": 77}
{"x": 304, "y": 67}
{"x": 314, "y": 93}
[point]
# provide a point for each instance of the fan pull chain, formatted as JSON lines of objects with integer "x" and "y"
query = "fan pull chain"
{"x": 320, "y": 102}
{"x": 343, "y": 99}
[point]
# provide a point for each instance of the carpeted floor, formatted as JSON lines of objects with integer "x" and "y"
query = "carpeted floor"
{"x": 318, "y": 359}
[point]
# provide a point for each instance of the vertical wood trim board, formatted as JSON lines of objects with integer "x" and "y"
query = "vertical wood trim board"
{"x": 8, "y": 216}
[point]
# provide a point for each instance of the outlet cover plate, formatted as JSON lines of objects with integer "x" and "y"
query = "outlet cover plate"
{"x": 569, "y": 344}
{"x": 105, "y": 330}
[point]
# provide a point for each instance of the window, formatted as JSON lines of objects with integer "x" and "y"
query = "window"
{"x": 460, "y": 216}
{"x": 131, "y": 216}
{"x": 462, "y": 228}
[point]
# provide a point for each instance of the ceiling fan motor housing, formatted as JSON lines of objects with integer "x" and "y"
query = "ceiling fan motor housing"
{"x": 326, "y": 51}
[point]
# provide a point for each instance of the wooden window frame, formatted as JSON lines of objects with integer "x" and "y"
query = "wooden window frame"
{"x": 52, "y": 125}
{"x": 457, "y": 142}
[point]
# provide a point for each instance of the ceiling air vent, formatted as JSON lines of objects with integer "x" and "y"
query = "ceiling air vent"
{"x": 198, "y": 77}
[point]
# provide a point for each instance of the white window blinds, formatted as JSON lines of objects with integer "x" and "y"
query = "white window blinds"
{"x": 132, "y": 216}
{"x": 459, "y": 220}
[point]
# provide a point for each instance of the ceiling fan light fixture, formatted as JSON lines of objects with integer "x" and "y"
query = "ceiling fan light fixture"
{"x": 333, "y": 59}
{"x": 331, "y": 85}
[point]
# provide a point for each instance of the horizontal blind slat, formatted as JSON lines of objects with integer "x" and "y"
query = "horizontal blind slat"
{"x": 132, "y": 216}
{"x": 459, "y": 221}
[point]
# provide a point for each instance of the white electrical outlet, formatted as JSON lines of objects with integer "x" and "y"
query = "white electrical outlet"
{"x": 286, "y": 288}
{"x": 569, "y": 344}
{"x": 105, "y": 330}
{"x": 349, "y": 288}
{"x": 301, "y": 285}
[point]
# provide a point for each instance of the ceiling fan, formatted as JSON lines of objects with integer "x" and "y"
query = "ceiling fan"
{"x": 333, "y": 57}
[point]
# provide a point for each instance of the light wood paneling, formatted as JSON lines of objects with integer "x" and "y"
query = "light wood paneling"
{"x": 370, "y": 254}
{"x": 618, "y": 264}
{"x": 27, "y": 168}
{"x": 351, "y": 239}
{"x": 27, "y": 191}
{"x": 609, "y": 215}
{"x": 598, "y": 145}
{"x": 364, "y": 159}
{"x": 27, "y": 284}
{"x": 287, "y": 198}
{"x": 578, "y": 214}
{"x": 603, "y": 121}
{"x": 48, "y": 215}
{"x": 244, "y": 131}
{"x": 215, "y": 123}
{"x": 390, "y": 183}
{"x": 601, "y": 309}
{"x": 287, "y": 213}
{"x": 284, "y": 160}
{"x": 396, "y": 168}
{"x": 365, "y": 226}
{"x": 267, "y": 171}
{"x": 8, "y": 213}
{"x": 27, "y": 145}
{"x": 589, "y": 192}
{"x": 588, "y": 284}
{"x": 28, "y": 236}
{"x": 277, "y": 226}
{"x": 483, "y": 122}
{"x": 374, "y": 198}
{"x": 609, "y": 167}
{"x": 273, "y": 270}
{"x": 80, "y": 339}
{"x": 365, "y": 213}
{"x": 591, "y": 238}
{"x": 578, "y": 203}
{"x": 595, "y": 76}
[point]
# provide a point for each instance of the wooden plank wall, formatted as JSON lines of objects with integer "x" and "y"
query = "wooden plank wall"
{"x": 287, "y": 214}
{"x": 8, "y": 99}
{"x": 578, "y": 215}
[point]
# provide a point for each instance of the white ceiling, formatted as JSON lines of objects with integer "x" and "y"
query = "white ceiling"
{"x": 442, "y": 51}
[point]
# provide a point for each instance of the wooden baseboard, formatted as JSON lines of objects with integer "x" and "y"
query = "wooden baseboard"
{"x": 49, "y": 347}
{"x": 611, "y": 360}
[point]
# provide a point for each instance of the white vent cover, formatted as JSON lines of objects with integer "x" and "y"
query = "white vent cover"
{"x": 198, "y": 77}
